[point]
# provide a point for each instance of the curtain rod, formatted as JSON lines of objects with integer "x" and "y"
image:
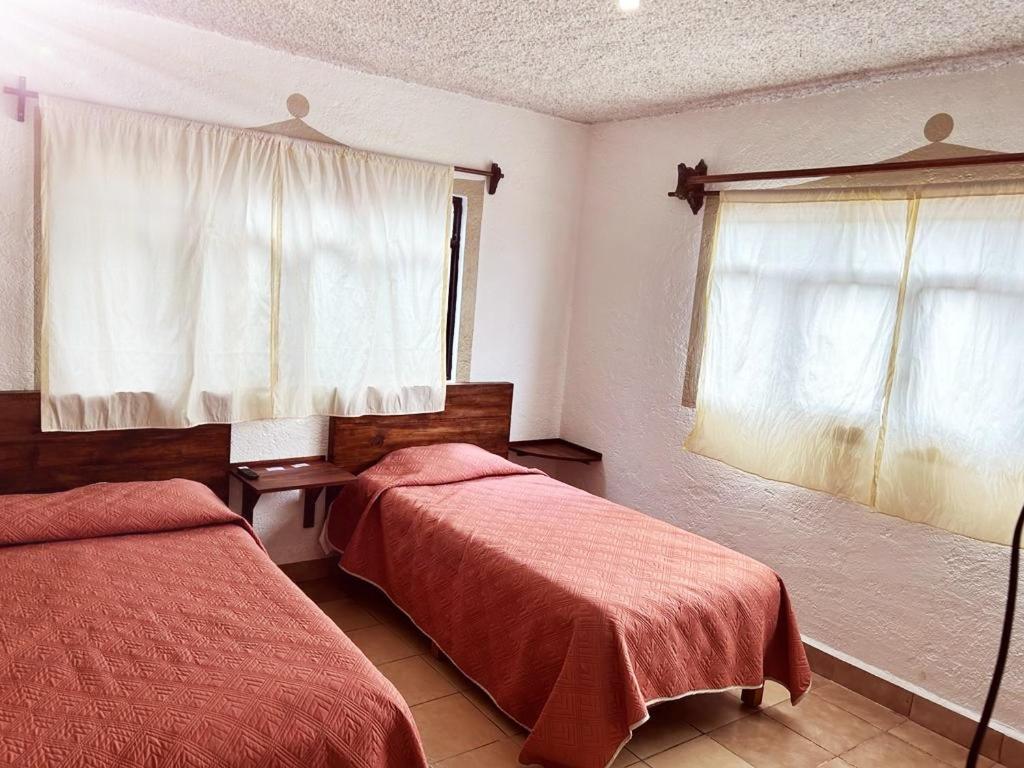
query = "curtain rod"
{"x": 493, "y": 174}
{"x": 692, "y": 181}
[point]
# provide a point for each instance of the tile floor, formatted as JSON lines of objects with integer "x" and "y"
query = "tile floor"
{"x": 832, "y": 728}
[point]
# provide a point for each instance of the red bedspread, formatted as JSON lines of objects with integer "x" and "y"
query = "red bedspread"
{"x": 574, "y": 613}
{"x": 141, "y": 624}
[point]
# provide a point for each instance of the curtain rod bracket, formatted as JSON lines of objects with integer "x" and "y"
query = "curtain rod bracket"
{"x": 690, "y": 191}
{"x": 493, "y": 178}
{"x": 693, "y": 181}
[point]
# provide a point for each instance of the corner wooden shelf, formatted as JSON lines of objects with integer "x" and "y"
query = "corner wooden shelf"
{"x": 554, "y": 448}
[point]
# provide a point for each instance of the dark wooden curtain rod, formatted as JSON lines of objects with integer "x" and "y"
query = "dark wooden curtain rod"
{"x": 691, "y": 184}
{"x": 493, "y": 174}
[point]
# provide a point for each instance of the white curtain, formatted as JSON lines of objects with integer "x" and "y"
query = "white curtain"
{"x": 363, "y": 283}
{"x": 868, "y": 345}
{"x": 194, "y": 273}
{"x": 954, "y": 441}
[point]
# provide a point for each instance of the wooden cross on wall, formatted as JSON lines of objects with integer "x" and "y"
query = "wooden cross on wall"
{"x": 23, "y": 95}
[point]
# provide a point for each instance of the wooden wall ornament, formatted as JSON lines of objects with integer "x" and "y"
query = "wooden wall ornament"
{"x": 296, "y": 128}
{"x": 298, "y": 105}
{"x": 939, "y": 127}
{"x": 692, "y": 182}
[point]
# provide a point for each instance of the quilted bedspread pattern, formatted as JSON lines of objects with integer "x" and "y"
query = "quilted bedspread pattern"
{"x": 141, "y": 624}
{"x": 574, "y": 613}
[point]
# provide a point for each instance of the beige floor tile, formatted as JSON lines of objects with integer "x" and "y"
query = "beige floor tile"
{"x": 483, "y": 702}
{"x": 864, "y": 708}
{"x": 322, "y": 590}
{"x": 450, "y": 672}
{"x": 764, "y": 743}
{"x": 356, "y": 586}
{"x": 452, "y": 725}
{"x": 703, "y": 752}
{"x": 828, "y": 726}
{"x": 819, "y": 681}
{"x": 937, "y": 746}
{"x": 836, "y": 762}
{"x": 381, "y": 644}
{"x": 416, "y": 680}
{"x": 387, "y": 612}
{"x": 887, "y": 751}
{"x": 408, "y": 632}
{"x": 708, "y": 711}
{"x": 624, "y": 759}
{"x": 773, "y": 693}
{"x": 500, "y": 754}
{"x": 347, "y": 614}
{"x": 665, "y": 729}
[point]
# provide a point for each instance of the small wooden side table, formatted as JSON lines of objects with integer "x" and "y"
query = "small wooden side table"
{"x": 310, "y": 474}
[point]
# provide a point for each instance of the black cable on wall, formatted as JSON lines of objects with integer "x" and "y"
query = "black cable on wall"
{"x": 1004, "y": 646}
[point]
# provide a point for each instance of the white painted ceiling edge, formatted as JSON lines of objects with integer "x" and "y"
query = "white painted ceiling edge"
{"x": 588, "y": 61}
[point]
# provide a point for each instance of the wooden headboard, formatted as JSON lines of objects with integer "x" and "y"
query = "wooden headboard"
{"x": 32, "y": 461}
{"x": 474, "y": 413}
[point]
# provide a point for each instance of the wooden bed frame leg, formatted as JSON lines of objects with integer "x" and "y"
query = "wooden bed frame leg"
{"x": 752, "y": 697}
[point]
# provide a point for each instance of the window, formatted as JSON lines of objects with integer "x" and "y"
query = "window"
{"x": 193, "y": 273}
{"x": 466, "y": 224}
{"x": 867, "y": 345}
{"x": 451, "y": 335}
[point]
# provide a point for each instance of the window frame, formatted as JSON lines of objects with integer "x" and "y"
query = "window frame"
{"x": 473, "y": 195}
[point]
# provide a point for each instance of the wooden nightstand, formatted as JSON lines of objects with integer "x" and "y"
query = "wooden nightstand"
{"x": 310, "y": 474}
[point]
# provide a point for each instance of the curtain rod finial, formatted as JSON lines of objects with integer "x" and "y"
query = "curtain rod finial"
{"x": 298, "y": 105}
{"x": 938, "y": 127}
{"x": 689, "y": 190}
{"x": 493, "y": 178}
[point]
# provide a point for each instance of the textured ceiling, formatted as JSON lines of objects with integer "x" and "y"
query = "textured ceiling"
{"x": 588, "y": 61}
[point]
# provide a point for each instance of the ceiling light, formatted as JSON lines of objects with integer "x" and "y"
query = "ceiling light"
{"x": 629, "y": 5}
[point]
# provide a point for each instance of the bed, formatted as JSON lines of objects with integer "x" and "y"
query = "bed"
{"x": 141, "y": 622}
{"x": 574, "y": 614}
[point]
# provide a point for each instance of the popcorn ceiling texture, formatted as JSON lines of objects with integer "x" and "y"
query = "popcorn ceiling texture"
{"x": 585, "y": 60}
{"x": 920, "y": 603}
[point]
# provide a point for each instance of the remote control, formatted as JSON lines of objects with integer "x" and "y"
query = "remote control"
{"x": 248, "y": 474}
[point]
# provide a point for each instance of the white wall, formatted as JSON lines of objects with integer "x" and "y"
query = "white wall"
{"x": 529, "y": 232}
{"x": 921, "y": 604}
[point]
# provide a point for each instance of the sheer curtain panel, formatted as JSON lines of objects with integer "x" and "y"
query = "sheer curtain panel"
{"x": 156, "y": 305}
{"x": 801, "y": 309}
{"x": 363, "y": 291}
{"x": 868, "y": 344}
{"x": 954, "y": 439}
{"x": 193, "y": 273}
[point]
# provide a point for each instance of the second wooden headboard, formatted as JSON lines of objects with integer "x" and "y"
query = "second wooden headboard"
{"x": 480, "y": 414}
